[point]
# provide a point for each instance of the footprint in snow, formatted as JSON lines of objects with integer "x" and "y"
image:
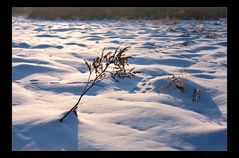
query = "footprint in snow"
{"x": 54, "y": 82}
{"x": 34, "y": 81}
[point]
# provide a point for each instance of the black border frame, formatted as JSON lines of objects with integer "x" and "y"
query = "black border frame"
{"x": 6, "y": 60}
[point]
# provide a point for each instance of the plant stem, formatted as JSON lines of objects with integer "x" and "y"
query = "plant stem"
{"x": 96, "y": 80}
{"x": 75, "y": 106}
{"x": 84, "y": 92}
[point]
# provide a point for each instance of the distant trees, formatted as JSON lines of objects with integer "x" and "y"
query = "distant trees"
{"x": 85, "y": 13}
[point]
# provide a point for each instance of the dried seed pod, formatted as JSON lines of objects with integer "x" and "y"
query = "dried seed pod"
{"x": 196, "y": 95}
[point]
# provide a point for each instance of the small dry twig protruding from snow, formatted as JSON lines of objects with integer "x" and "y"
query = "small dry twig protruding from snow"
{"x": 196, "y": 95}
{"x": 175, "y": 79}
{"x": 107, "y": 65}
{"x": 211, "y": 35}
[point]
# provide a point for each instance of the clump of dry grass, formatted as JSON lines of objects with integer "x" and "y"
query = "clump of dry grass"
{"x": 108, "y": 65}
{"x": 197, "y": 28}
{"x": 171, "y": 29}
{"x": 212, "y": 35}
{"x": 200, "y": 28}
{"x": 175, "y": 79}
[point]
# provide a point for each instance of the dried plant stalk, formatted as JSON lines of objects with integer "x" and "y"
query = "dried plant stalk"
{"x": 196, "y": 95}
{"x": 107, "y": 65}
{"x": 177, "y": 81}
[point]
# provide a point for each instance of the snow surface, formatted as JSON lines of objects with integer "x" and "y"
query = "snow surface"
{"x": 48, "y": 75}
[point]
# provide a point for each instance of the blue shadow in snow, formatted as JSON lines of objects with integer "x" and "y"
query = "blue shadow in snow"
{"x": 20, "y": 45}
{"x": 53, "y": 135}
{"x": 169, "y": 62}
{"x": 24, "y": 70}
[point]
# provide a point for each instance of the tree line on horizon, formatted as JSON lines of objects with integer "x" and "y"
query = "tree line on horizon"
{"x": 96, "y": 13}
